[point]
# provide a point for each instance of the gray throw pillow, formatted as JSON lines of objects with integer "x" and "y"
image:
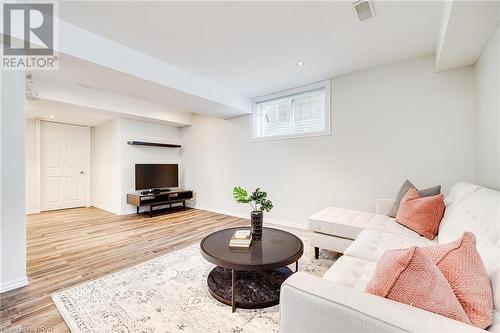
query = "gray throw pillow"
{"x": 402, "y": 191}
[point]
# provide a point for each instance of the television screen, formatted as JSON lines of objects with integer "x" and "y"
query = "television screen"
{"x": 153, "y": 176}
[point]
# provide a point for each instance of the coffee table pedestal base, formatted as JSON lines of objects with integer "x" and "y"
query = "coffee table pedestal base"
{"x": 253, "y": 289}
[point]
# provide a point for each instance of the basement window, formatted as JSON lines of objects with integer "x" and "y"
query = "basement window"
{"x": 298, "y": 112}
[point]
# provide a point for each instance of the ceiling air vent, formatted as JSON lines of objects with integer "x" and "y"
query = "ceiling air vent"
{"x": 364, "y": 9}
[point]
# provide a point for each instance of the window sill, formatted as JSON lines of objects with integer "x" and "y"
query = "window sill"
{"x": 293, "y": 136}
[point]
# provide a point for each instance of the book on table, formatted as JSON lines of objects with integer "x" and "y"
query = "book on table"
{"x": 241, "y": 239}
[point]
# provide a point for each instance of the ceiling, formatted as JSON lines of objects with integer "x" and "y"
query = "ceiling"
{"x": 253, "y": 47}
{"x": 67, "y": 113}
{"x": 467, "y": 26}
{"x": 80, "y": 74}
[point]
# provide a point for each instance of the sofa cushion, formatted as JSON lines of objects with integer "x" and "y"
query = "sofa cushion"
{"x": 460, "y": 191}
{"x": 349, "y": 223}
{"x": 474, "y": 209}
{"x": 370, "y": 245}
{"x": 351, "y": 272}
{"x": 409, "y": 276}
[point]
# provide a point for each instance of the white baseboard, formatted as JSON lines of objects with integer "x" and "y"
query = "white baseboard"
{"x": 116, "y": 212}
{"x": 219, "y": 211}
{"x": 128, "y": 212}
{"x": 246, "y": 216}
{"x": 286, "y": 224}
{"x": 14, "y": 284}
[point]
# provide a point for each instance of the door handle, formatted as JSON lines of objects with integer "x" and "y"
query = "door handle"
{"x": 82, "y": 172}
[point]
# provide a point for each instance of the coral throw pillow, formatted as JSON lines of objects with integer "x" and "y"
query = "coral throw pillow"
{"x": 421, "y": 214}
{"x": 409, "y": 276}
{"x": 463, "y": 267}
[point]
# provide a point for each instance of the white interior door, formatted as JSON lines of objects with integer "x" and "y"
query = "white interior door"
{"x": 64, "y": 163}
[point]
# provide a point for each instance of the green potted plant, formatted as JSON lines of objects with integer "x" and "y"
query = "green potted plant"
{"x": 259, "y": 203}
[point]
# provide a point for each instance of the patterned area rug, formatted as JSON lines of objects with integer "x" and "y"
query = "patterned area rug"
{"x": 169, "y": 294}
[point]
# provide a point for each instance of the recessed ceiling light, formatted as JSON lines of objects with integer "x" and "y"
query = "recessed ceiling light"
{"x": 300, "y": 63}
{"x": 52, "y": 116}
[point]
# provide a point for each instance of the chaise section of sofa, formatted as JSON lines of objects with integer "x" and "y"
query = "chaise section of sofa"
{"x": 335, "y": 228}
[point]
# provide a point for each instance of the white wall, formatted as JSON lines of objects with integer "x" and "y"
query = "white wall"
{"x": 12, "y": 181}
{"x": 130, "y": 155}
{"x": 31, "y": 194}
{"x": 488, "y": 113}
{"x": 105, "y": 161}
{"x": 390, "y": 123}
{"x": 113, "y": 160}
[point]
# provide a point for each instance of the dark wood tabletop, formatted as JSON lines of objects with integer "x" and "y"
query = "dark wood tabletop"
{"x": 276, "y": 249}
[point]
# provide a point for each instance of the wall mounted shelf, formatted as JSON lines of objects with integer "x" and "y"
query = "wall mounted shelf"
{"x": 153, "y": 144}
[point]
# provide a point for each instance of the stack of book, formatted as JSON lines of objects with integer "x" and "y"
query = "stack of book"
{"x": 241, "y": 239}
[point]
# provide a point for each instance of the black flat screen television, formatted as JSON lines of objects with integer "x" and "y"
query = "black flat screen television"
{"x": 156, "y": 176}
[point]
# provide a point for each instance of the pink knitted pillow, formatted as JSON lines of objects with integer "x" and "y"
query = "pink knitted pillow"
{"x": 421, "y": 214}
{"x": 463, "y": 267}
{"x": 409, "y": 276}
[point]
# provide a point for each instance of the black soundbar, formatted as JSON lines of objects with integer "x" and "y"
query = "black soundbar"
{"x": 155, "y": 191}
{"x": 153, "y": 144}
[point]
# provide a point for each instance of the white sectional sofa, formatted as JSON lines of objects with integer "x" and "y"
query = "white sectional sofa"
{"x": 337, "y": 301}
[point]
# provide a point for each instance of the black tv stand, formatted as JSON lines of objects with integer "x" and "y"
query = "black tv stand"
{"x": 161, "y": 197}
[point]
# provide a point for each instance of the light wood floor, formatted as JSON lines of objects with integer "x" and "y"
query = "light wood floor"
{"x": 68, "y": 247}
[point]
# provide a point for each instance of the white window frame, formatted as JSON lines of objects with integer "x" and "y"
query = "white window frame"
{"x": 303, "y": 89}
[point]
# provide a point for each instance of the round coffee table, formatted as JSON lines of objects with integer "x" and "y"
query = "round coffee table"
{"x": 250, "y": 278}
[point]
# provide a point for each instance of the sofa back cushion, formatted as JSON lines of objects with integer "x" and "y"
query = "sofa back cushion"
{"x": 476, "y": 209}
{"x": 459, "y": 192}
{"x": 479, "y": 213}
